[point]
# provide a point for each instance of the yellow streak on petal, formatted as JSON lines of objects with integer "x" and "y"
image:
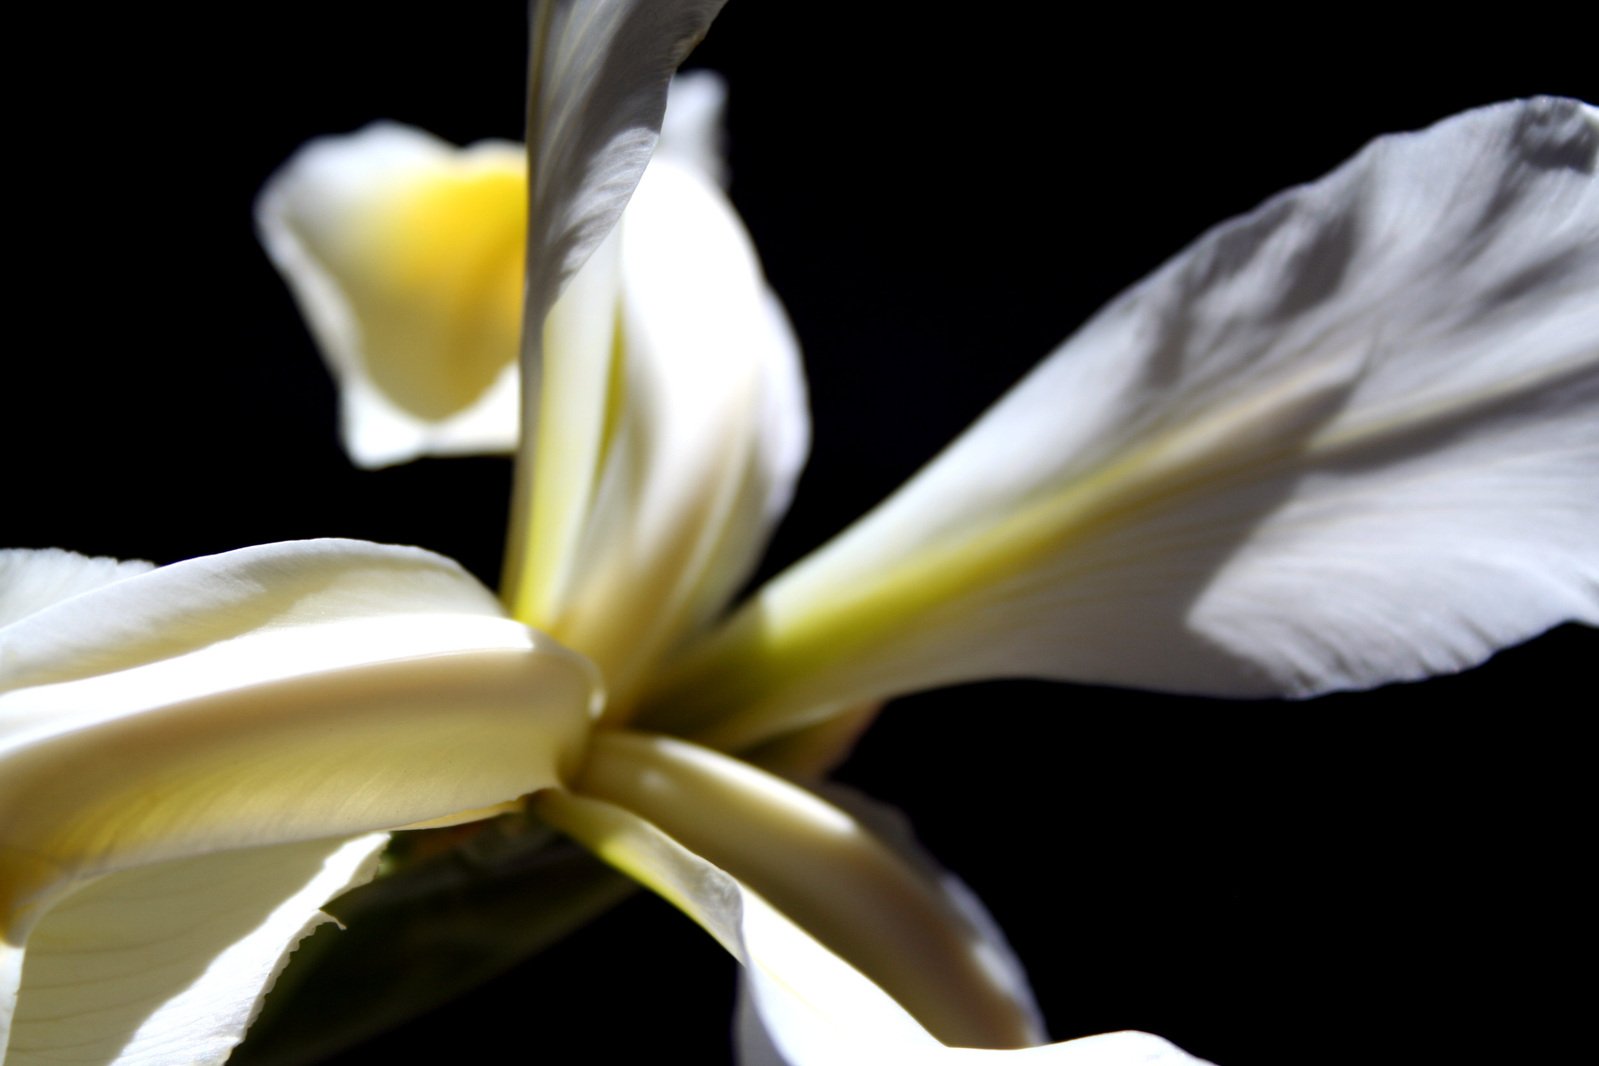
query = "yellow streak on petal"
{"x": 785, "y": 660}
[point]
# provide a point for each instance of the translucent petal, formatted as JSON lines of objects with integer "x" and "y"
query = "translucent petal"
{"x": 598, "y": 78}
{"x": 584, "y": 360}
{"x": 825, "y": 870}
{"x": 706, "y": 432}
{"x": 1350, "y": 438}
{"x": 284, "y": 693}
{"x": 31, "y": 580}
{"x": 196, "y": 603}
{"x": 168, "y": 963}
{"x": 406, "y": 254}
{"x": 815, "y": 1009}
{"x": 692, "y": 128}
{"x": 758, "y": 1038}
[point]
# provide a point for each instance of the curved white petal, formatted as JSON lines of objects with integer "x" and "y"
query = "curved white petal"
{"x": 675, "y": 420}
{"x": 825, "y": 870}
{"x": 278, "y": 694}
{"x": 1001, "y": 966}
{"x": 783, "y": 1036}
{"x": 406, "y": 254}
{"x": 1350, "y": 438}
{"x": 220, "y": 719}
{"x": 815, "y": 1009}
{"x": 168, "y": 963}
{"x": 706, "y": 432}
{"x": 598, "y": 78}
{"x": 692, "y": 129}
{"x": 597, "y": 81}
{"x": 207, "y": 601}
{"x": 33, "y": 579}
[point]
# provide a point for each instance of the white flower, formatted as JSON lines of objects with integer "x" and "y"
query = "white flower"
{"x": 1241, "y": 478}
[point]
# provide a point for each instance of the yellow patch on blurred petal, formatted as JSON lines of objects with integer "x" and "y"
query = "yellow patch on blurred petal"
{"x": 442, "y": 275}
{"x": 407, "y": 255}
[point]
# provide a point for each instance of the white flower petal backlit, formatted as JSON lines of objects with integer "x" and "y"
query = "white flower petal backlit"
{"x": 270, "y": 698}
{"x": 168, "y": 963}
{"x": 814, "y": 1007}
{"x": 1345, "y": 440}
{"x": 398, "y": 247}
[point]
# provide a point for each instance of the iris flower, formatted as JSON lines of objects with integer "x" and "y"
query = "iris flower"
{"x": 1347, "y": 439}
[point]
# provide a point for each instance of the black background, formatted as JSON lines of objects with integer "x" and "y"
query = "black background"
{"x": 1386, "y": 877}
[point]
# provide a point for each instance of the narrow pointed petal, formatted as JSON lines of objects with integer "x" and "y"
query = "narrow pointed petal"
{"x": 168, "y": 963}
{"x": 825, "y": 870}
{"x": 708, "y": 430}
{"x": 278, "y": 694}
{"x": 1350, "y": 438}
{"x": 815, "y": 1009}
{"x": 585, "y": 367}
{"x": 405, "y": 255}
{"x": 597, "y": 80}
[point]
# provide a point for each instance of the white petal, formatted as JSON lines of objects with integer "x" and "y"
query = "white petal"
{"x": 406, "y": 255}
{"x": 692, "y": 129}
{"x": 1107, "y": 1049}
{"x": 284, "y": 693}
{"x": 1002, "y": 970}
{"x": 708, "y": 431}
{"x": 168, "y": 963}
{"x": 1001, "y": 966}
{"x": 196, "y": 603}
{"x": 1348, "y": 439}
{"x": 587, "y": 351}
{"x": 674, "y": 422}
{"x": 827, "y": 871}
{"x": 31, "y": 580}
{"x": 598, "y": 80}
{"x": 815, "y": 1008}
{"x": 598, "y": 77}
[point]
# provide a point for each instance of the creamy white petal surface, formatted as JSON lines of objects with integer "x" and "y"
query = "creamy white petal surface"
{"x": 827, "y": 871}
{"x": 598, "y": 79}
{"x": 705, "y": 429}
{"x": 31, "y": 580}
{"x": 815, "y": 1009}
{"x": 1350, "y": 438}
{"x": 168, "y": 963}
{"x": 405, "y": 254}
{"x": 1002, "y": 968}
{"x": 274, "y": 697}
{"x": 673, "y": 420}
{"x": 692, "y": 133}
{"x": 757, "y": 1044}
{"x": 589, "y": 366}
{"x": 276, "y": 694}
